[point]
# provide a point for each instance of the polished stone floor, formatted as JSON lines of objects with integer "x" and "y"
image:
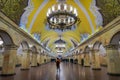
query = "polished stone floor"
{"x": 68, "y": 71}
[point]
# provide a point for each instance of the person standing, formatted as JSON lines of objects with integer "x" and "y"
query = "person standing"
{"x": 58, "y": 64}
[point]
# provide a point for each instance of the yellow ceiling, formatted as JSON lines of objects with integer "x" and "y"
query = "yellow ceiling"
{"x": 36, "y": 22}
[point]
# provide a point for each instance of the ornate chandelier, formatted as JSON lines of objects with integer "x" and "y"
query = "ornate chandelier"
{"x": 62, "y": 16}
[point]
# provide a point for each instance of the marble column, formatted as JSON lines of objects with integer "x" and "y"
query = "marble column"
{"x": 47, "y": 59}
{"x": 26, "y": 60}
{"x": 38, "y": 59}
{"x": 1, "y": 60}
{"x": 95, "y": 60}
{"x": 79, "y": 59}
{"x": 34, "y": 59}
{"x": 113, "y": 59}
{"x": 18, "y": 60}
{"x": 44, "y": 58}
{"x": 9, "y": 60}
{"x": 103, "y": 60}
{"x": 81, "y": 56}
{"x": 69, "y": 59}
{"x": 86, "y": 59}
{"x": 75, "y": 57}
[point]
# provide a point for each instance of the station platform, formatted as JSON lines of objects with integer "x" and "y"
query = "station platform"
{"x": 68, "y": 71}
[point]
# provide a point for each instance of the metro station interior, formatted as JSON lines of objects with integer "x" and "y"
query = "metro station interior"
{"x": 83, "y": 34}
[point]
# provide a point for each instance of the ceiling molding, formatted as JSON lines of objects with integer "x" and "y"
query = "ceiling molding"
{"x": 86, "y": 14}
{"x": 36, "y": 14}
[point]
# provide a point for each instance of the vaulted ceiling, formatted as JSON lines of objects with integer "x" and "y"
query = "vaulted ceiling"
{"x": 34, "y": 17}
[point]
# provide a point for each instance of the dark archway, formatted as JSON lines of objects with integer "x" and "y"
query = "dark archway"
{"x": 87, "y": 49}
{"x": 6, "y": 38}
{"x": 115, "y": 39}
{"x": 25, "y": 45}
{"x": 34, "y": 49}
{"x": 96, "y": 45}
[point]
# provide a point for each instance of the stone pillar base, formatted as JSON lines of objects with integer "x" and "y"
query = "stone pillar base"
{"x": 113, "y": 59}
{"x": 86, "y": 66}
{"x": 25, "y": 69}
{"x": 0, "y": 68}
{"x": 96, "y": 68}
{"x": 18, "y": 65}
{"x": 103, "y": 65}
{"x": 95, "y": 60}
{"x": 114, "y": 74}
{"x": 34, "y": 66}
{"x": 9, "y": 61}
{"x": 8, "y": 74}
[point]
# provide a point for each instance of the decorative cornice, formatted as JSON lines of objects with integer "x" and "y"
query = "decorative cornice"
{"x": 15, "y": 27}
{"x": 10, "y": 47}
{"x": 112, "y": 46}
{"x": 36, "y": 14}
{"x": 108, "y": 27}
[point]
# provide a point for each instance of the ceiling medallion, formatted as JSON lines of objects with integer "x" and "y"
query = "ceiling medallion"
{"x": 62, "y": 16}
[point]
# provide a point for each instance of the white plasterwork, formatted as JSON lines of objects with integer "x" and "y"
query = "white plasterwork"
{"x": 95, "y": 10}
{"x": 24, "y": 17}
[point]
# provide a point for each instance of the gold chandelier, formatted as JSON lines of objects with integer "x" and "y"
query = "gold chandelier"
{"x": 62, "y": 16}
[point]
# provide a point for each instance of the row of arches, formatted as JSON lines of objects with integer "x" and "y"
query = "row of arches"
{"x": 98, "y": 53}
{"x": 25, "y": 54}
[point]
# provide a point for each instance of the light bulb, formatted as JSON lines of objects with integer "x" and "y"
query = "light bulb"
{"x": 59, "y": 7}
{"x": 47, "y": 14}
{"x": 71, "y": 8}
{"x": 64, "y": 20}
{"x": 51, "y": 19}
{"x": 75, "y": 11}
{"x": 72, "y": 19}
{"x": 76, "y": 14}
{"x": 53, "y": 8}
{"x": 59, "y": 20}
{"x": 49, "y": 11}
{"x": 68, "y": 20}
{"x": 55, "y": 20}
{"x": 65, "y": 7}
{"x": 1, "y": 42}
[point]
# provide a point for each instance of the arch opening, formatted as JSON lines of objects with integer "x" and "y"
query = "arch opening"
{"x": 87, "y": 49}
{"x": 6, "y": 38}
{"x": 34, "y": 49}
{"x": 115, "y": 39}
{"x": 96, "y": 45}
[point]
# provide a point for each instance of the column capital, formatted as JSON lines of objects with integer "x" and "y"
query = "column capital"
{"x": 29, "y": 50}
{"x": 25, "y": 50}
{"x": 93, "y": 50}
{"x": 35, "y": 52}
{"x": 112, "y": 46}
{"x": 85, "y": 52}
{"x": 10, "y": 47}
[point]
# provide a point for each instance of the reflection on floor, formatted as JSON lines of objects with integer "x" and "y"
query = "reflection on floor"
{"x": 68, "y": 71}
